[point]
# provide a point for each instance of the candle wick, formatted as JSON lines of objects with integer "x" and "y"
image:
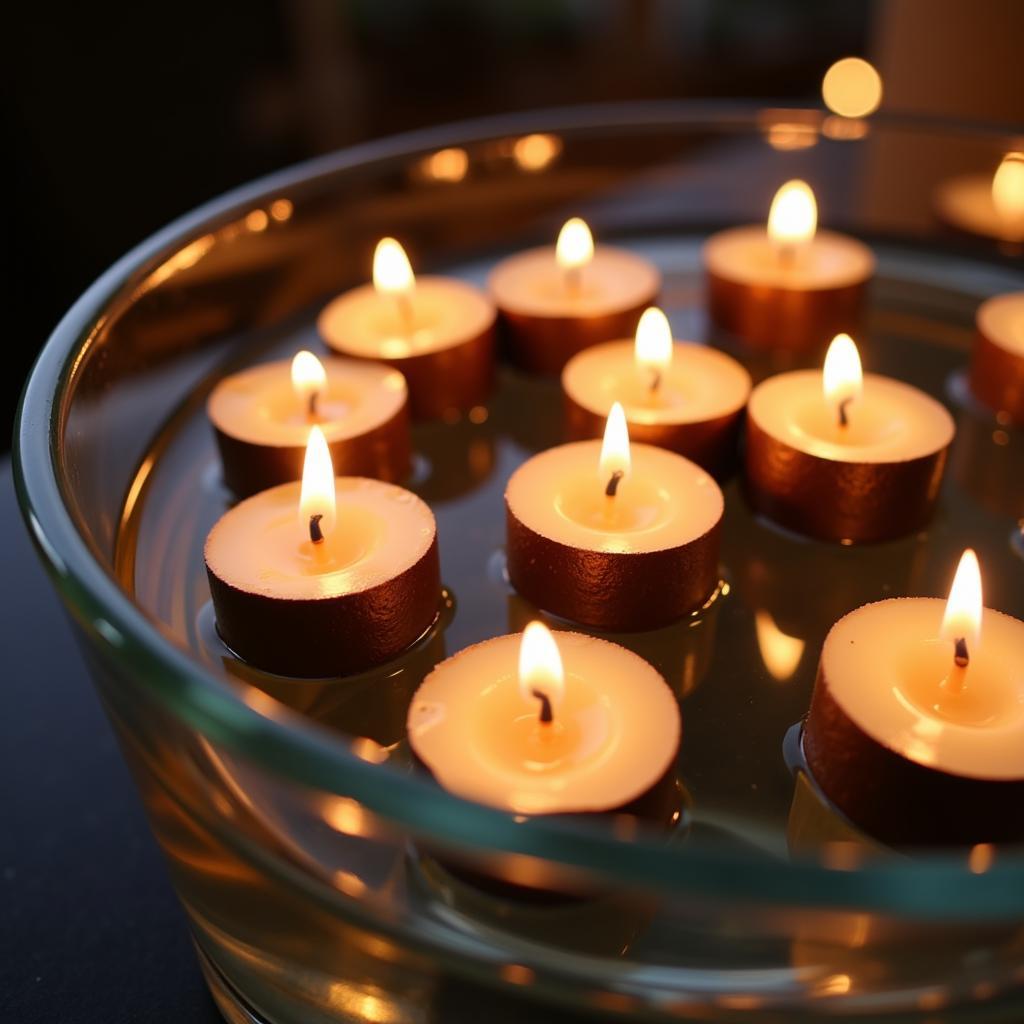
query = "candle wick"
{"x": 405, "y": 311}
{"x": 547, "y": 715}
{"x": 573, "y": 280}
{"x": 613, "y": 483}
{"x": 655, "y": 378}
{"x": 961, "y": 657}
{"x": 311, "y": 407}
{"x": 316, "y": 535}
{"x": 787, "y": 254}
{"x": 844, "y": 416}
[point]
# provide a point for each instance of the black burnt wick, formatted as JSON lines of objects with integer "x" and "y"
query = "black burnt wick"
{"x": 547, "y": 715}
{"x": 316, "y": 535}
{"x": 613, "y": 484}
{"x": 655, "y": 380}
{"x": 844, "y": 419}
{"x": 311, "y": 408}
{"x": 960, "y": 656}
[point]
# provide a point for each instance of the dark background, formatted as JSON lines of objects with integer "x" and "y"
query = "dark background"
{"x": 126, "y": 115}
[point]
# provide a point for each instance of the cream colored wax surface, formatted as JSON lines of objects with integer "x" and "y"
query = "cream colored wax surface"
{"x": 1001, "y": 320}
{"x": 664, "y": 502}
{"x": 966, "y": 202}
{"x": 748, "y": 256}
{"x": 614, "y": 733}
{"x": 262, "y": 545}
{"x": 889, "y": 422}
{"x": 532, "y": 284}
{"x": 439, "y": 313}
{"x": 700, "y": 384}
{"x": 886, "y": 665}
{"x": 259, "y": 405}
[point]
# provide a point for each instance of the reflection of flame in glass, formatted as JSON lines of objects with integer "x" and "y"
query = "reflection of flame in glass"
{"x": 780, "y": 652}
{"x": 788, "y": 135}
{"x": 447, "y": 164}
{"x": 1008, "y": 187}
{"x": 281, "y": 209}
{"x": 535, "y": 152}
{"x": 852, "y": 88}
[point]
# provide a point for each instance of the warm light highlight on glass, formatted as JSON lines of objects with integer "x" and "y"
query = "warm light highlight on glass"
{"x": 793, "y": 217}
{"x": 780, "y": 652}
{"x": 1008, "y": 188}
{"x": 317, "y": 494}
{"x": 392, "y": 273}
{"x": 615, "y": 457}
{"x": 653, "y": 347}
{"x": 535, "y": 152}
{"x": 852, "y": 88}
{"x": 842, "y": 379}
{"x": 962, "y": 617}
{"x": 540, "y": 665}
{"x": 309, "y": 378}
{"x": 575, "y": 246}
{"x": 447, "y": 164}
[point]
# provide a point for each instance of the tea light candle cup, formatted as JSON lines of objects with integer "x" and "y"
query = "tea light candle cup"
{"x": 790, "y": 287}
{"x": 681, "y": 396}
{"x": 326, "y": 577}
{"x": 841, "y": 456}
{"x": 614, "y": 536}
{"x": 997, "y": 362}
{"x": 990, "y": 207}
{"x": 554, "y": 304}
{"x": 261, "y": 418}
{"x": 916, "y": 726}
{"x": 540, "y": 723}
{"x": 438, "y": 331}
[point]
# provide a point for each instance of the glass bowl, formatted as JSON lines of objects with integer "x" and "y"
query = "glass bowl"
{"x": 324, "y": 879}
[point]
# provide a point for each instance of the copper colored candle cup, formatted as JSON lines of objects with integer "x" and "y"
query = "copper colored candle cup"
{"x": 997, "y": 378}
{"x": 543, "y": 345}
{"x": 384, "y": 453}
{"x": 899, "y": 801}
{"x": 797, "y": 320}
{"x": 831, "y": 500}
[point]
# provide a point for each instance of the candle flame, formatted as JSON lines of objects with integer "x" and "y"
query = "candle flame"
{"x": 615, "y": 446}
{"x": 962, "y": 617}
{"x": 392, "y": 274}
{"x": 780, "y": 652}
{"x": 575, "y": 246}
{"x": 793, "y": 217}
{"x": 540, "y": 665}
{"x": 842, "y": 379}
{"x": 309, "y": 377}
{"x": 653, "y": 348}
{"x": 317, "y": 494}
{"x": 1008, "y": 187}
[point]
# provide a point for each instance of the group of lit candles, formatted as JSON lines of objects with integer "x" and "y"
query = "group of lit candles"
{"x": 317, "y": 575}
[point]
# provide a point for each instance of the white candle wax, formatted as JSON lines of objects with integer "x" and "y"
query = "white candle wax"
{"x": 613, "y": 736}
{"x": 262, "y": 419}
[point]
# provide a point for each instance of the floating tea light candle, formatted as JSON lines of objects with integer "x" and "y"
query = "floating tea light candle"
{"x": 542, "y": 723}
{"x": 556, "y": 303}
{"x": 845, "y": 457}
{"x": 916, "y": 727}
{"x": 613, "y": 536}
{"x": 325, "y": 577}
{"x": 438, "y": 331}
{"x": 988, "y": 206}
{"x": 790, "y": 286}
{"x": 262, "y": 416}
{"x": 997, "y": 363}
{"x": 677, "y": 395}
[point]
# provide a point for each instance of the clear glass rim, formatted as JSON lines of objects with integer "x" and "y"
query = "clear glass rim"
{"x": 283, "y": 742}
